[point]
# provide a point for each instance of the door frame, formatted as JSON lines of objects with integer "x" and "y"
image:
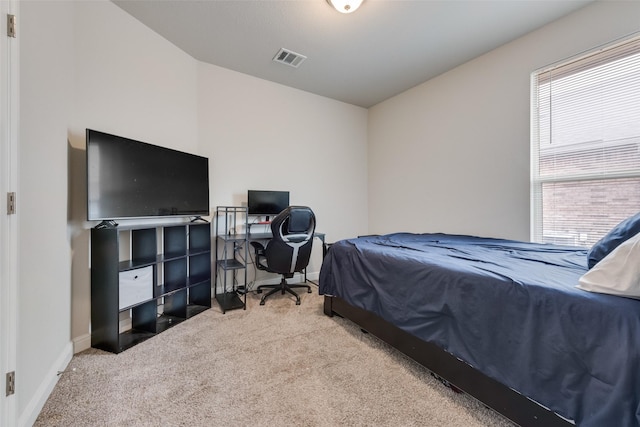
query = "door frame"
{"x": 8, "y": 222}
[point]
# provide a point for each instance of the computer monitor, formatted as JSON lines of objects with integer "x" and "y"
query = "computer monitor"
{"x": 260, "y": 202}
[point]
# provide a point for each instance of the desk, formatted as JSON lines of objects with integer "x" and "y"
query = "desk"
{"x": 232, "y": 252}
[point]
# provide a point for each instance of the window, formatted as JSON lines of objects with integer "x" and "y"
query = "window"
{"x": 585, "y": 145}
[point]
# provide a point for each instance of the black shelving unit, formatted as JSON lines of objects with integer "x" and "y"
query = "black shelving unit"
{"x": 231, "y": 257}
{"x": 179, "y": 256}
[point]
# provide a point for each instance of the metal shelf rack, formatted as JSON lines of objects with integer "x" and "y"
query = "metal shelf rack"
{"x": 232, "y": 253}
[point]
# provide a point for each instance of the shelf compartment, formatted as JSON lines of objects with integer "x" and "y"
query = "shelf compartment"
{"x": 165, "y": 322}
{"x": 143, "y": 244}
{"x": 200, "y": 266}
{"x": 229, "y": 301}
{"x": 199, "y": 238}
{"x": 175, "y": 304}
{"x": 143, "y": 316}
{"x": 135, "y": 286}
{"x": 200, "y": 294}
{"x": 175, "y": 274}
{"x": 175, "y": 241}
{"x": 230, "y": 264}
{"x": 132, "y": 337}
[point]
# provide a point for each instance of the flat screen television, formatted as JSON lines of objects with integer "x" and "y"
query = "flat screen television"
{"x": 134, "y": 179}
{"x": 261, "y": 202}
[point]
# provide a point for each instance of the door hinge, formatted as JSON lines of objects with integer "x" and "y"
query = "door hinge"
{"x": 11, "y": 25}
{"x": 11, "y": 383}
{"x": 11, "y": 203}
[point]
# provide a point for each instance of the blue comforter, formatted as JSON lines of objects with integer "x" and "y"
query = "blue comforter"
{"x": 510, "y": 309}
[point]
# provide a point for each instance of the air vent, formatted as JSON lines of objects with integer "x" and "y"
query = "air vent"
{"x": 289, "y": 58}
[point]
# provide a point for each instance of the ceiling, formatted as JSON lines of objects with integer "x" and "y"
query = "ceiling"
{"x": 361, "y": 58}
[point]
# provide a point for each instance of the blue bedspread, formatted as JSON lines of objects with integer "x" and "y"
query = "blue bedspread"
{"x": 509, "y": 309}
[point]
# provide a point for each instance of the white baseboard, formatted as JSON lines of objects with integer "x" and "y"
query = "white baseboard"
{"x": 35, "y": 405}
{"x": 313, "y": 276}
{"x": 81, "y": 343}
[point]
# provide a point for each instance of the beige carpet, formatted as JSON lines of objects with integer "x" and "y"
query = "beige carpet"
{"x": 273, "y": 365}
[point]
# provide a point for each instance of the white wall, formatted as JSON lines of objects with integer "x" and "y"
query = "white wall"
{"x": 44, "y": 255}
{"x": 452, "y": 154}
{"x": 129, "y": 81}
{"x": 264, "y": 136}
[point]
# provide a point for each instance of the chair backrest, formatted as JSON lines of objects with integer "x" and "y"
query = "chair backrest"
{"x": 289, "y": 249}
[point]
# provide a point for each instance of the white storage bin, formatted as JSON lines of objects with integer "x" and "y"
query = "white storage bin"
{"x": 136, "y": 286}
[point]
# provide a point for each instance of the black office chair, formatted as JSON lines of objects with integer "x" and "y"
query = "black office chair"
{"x": 289, "y": 250}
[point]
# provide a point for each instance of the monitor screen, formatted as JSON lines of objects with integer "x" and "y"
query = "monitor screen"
{"x": 267, "y": 202}
{"x": 133, "y": 179}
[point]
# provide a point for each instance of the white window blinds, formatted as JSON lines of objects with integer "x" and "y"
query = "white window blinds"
{"x": 585, "y": 146}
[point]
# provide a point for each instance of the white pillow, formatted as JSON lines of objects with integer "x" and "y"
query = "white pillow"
{"x": 618, "y": 273}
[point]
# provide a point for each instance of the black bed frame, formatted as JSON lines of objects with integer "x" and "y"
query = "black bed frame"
{"x": 459, "y": 374}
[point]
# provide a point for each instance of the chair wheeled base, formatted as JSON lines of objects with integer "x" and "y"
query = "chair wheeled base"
{"x": 283, "y": 287}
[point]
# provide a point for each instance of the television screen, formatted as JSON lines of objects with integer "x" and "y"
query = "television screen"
{"x": 267, "y": 202}
{"x": 133, "y": 179}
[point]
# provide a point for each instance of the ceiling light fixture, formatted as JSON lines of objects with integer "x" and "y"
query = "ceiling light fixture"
{"x": 345, "y": 6}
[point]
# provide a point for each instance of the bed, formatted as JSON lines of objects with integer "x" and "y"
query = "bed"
{"x": 501, "y": 320}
